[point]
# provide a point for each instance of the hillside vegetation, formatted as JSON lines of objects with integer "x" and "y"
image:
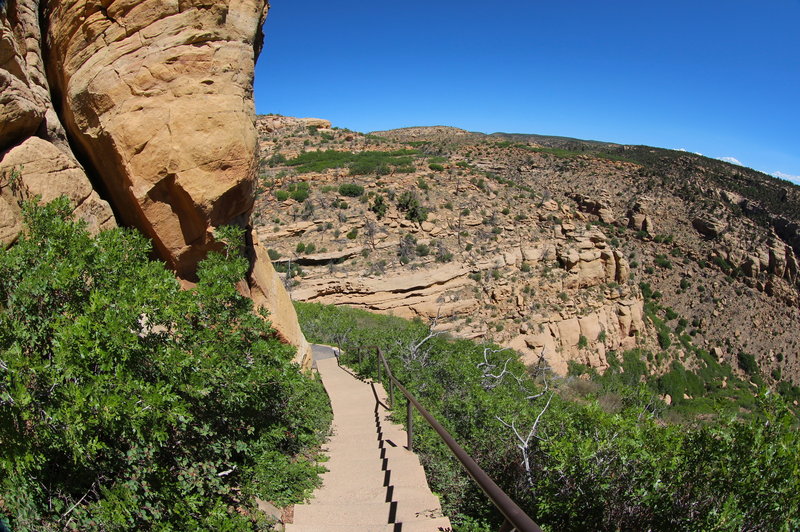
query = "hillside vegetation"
{"x": 575, "y": 454}
{"x": 127, "y": 403}
{"x": 577, "y": 248}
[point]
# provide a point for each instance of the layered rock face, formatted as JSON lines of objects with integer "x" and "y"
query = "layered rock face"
{"x": 155, "y": 99}
{"x": 533, "y": 276}
{"x": 158, "y": 96}
{"x": 35, "y": 157}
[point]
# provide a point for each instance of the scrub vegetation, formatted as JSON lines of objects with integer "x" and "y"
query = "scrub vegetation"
{"x": 603, "y": 454}
{"x": 127, "y": 403}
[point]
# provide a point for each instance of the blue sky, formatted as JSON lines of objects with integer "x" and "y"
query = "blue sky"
{"x": 717, "y": 78}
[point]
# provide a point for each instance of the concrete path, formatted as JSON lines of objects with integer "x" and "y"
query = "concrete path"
{"x": 373, "y": 482}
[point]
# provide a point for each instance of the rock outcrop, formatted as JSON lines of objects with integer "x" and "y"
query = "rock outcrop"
{"x": 639, "y": 218}
{"x": 589, "y": 261}
{"x": 148, "y": 104}
{"x": 38, "y": 167}
{"x": 600, "y": 207}
{"x": 35, "y": 157}
{"x": 157, "y": 96}
{"x": 267, "y": 291}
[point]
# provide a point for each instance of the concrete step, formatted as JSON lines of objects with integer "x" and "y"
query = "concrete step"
{"x": 440, "y": 524}
{"x": 373, "y": 482}
{"x": 339, "y": 528}
{"x": 336, "y": 514}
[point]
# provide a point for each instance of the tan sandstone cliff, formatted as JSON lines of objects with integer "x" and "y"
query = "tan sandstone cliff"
{"x": 148, "y": 103}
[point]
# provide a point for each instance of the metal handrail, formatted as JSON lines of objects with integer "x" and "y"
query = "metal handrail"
{"x": 516, "y": 518}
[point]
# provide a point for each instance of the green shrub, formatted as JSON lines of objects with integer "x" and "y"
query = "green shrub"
{"x": 273, "y": 255}
{"x": 664, "y": 338}
{"x": 422, "y": 250}
{"x": 352, "y": 234}
{"x": 363, "y": 163}
{"x": 379, "y": 207}
{"x": 747, "y": 363}
{"x": 663, "y": 262}
{"x": 409, "y": 203}
{"x": 635, "y": 368}
{"x": 300, "y": 248}
{"x": 127, "y": 403}
{"x": 351, "y": 190}
{"x": 277, "y": 159}
{"x": 436, "y": 167}
{"x": 281, "y": 195}
{"x": 299, "y": 191}
{"x": 583, "y": 342}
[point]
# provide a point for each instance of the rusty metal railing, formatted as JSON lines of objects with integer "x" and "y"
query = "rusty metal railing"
{"x": 515, "y": 518}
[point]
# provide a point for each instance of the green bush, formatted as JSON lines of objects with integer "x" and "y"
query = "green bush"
{"x": 664, "y": 338}
{"x": 277, "y": 159}
{"x": 436, "y": 167}
{"x": 409, "y": 203}
{"x": 747, "y": 363}
{"x": 352, "y": 234}
{"x": 127, "y": 403}
{"x": 363, "y": 163}
{"x": 379, "y": 207}
{"x": 281, "y": 195}
{"x": 663, "y": 262}
{"x": 351, "y": 190}
{"x": 299, "y": 191}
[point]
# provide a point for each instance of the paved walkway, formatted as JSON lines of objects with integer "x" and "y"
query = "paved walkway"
{"x": 373, "y": 482}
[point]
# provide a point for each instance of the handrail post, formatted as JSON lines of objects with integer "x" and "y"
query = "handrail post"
{"x": 410, "y": 417}
{"x": 391, "y": 393}
{"x": 378, "y": 359}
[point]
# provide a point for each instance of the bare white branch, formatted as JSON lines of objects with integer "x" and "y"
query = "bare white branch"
{"x": 492, "y": 380}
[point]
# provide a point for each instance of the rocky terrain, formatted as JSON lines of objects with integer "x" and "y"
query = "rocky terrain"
{"x": 142, "y": 113}
{"x": 543, "y": 244}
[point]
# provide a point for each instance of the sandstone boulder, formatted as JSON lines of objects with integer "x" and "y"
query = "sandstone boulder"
{"x": 157, "y": 101}
{"x": 37, "y": 167}
{"x": 267, "y": 291}
{"x": 318, "y": 123}
{"x": 599, "y": 207}
{"x": 158, "y": 96}
{"x": 710, "y": 227}
{"x": 20, "y": 111}
{"x": 639, "y": 218}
